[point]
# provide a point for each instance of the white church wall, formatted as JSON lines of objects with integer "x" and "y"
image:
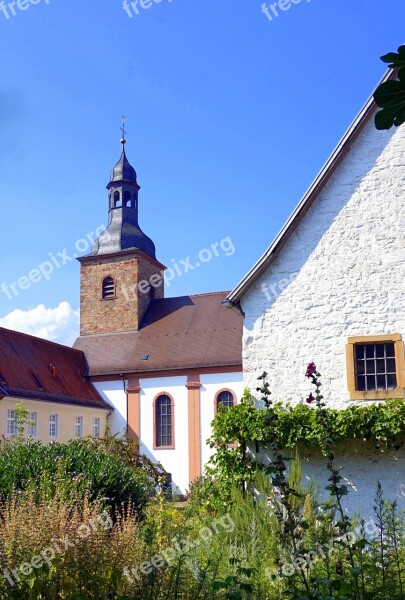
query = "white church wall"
{"x": 113, "y": 392}
{"x": 176, "y": 460}
{"x": 211, "y": 384}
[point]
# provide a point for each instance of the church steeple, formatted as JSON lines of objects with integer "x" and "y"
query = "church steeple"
{"x": 120, "y": 276}
{"x": 123, "y": 231}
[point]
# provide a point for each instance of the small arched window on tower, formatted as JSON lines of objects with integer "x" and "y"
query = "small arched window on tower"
{"x": 108, "y": 288}
{"x": 225, "y": 399}
{"x": 117, "y": 200}
{"x": 127, "y": 199}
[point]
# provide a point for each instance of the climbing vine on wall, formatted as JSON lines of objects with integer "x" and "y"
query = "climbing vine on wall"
{"x": 382, "y": 422}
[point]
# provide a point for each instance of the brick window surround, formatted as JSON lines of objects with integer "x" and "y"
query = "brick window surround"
{"x": 352, "y": 360}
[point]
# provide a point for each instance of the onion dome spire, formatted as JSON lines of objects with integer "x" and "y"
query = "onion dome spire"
{"x": 123, "y": 232}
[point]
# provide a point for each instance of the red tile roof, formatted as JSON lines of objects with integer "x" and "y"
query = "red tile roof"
{"x": 33, "y": 368}
{"x": 176, "y": 334}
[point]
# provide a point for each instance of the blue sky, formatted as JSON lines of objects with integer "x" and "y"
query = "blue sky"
{"x": 230, "y": 117}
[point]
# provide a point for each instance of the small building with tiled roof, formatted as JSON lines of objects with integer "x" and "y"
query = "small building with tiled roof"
{"x": 50, "y": 381}
{"x": 163, "y": 364}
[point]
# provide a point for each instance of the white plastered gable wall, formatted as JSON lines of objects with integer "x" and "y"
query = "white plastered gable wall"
{"x": 342, "y": 274}
{"x": 346, "y": 264}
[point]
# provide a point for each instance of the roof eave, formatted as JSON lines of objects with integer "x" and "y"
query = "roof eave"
{"x": 122, "y": 253}
{"x": 307, "y": 200}
{"x": 56, "y": 398}
{"x": 161, "y": 369}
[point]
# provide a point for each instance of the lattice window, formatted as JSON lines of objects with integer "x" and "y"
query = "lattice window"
{"x": 375, "y": 367}
{"x": 78, "y": 427}
{"x": 53, "y": 426}
{"x": 96, "y": 427}
{"x": 32, "y": 428}
{"x": 225, "y": 399}
{"x": 164, "y": 421}
{"x": 11, "y": 422}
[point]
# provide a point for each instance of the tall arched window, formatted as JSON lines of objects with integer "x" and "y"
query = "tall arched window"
{"x": 117, "y": 200}
{"x": 225, "y": 399}
{"x": 164, "y": 434}
{"x": 108, "y": 288}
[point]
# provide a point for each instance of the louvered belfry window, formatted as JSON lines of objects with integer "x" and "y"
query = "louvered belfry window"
{"x": 164, "y": 424}
{"x": 108, "y": 288}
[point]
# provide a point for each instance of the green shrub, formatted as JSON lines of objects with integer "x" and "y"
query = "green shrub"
{"x": 78, "y": 468}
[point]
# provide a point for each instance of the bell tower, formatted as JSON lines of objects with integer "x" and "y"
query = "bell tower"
{"x": 121, "y": 275}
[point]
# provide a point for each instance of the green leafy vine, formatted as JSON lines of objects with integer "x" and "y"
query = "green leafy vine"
{"x": 381, "y": 422}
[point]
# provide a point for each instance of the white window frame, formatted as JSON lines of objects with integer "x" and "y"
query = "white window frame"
{"x": 54, "y": 426}
{"x": 96, "y": 427}
{"x": 11, "y": 421}
{"x": 78, "y": 427}
{"x": 32, "y": 428}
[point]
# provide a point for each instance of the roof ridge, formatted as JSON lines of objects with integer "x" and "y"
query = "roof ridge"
{"x": 35, "y": 337}
{"x": 312, "y": 193}
{"x": 193, "y": 295}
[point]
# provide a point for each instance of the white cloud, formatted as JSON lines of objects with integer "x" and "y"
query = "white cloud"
{"x": 60, "y": 324}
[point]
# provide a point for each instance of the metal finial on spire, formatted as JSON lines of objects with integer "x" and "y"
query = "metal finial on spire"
{"x": 123, "y": 130}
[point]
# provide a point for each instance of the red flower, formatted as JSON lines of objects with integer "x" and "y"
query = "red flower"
{"x": 310, "y": 398}
{"x": 311, "y": 370}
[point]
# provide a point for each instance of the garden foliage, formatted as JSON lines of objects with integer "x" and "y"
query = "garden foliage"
{"x": 250, "y": 530}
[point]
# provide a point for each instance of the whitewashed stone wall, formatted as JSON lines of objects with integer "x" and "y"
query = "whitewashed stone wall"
{"x": 341, "y": 274}
{"x": 361, "y": 466}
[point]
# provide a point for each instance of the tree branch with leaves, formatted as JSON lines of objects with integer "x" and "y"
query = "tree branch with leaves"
{"x": 390, "y": 95}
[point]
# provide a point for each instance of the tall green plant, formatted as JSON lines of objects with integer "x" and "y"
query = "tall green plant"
{"x": 336, "y": 488}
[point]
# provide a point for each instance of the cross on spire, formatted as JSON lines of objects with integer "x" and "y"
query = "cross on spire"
{"x": 123, "y": 130}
